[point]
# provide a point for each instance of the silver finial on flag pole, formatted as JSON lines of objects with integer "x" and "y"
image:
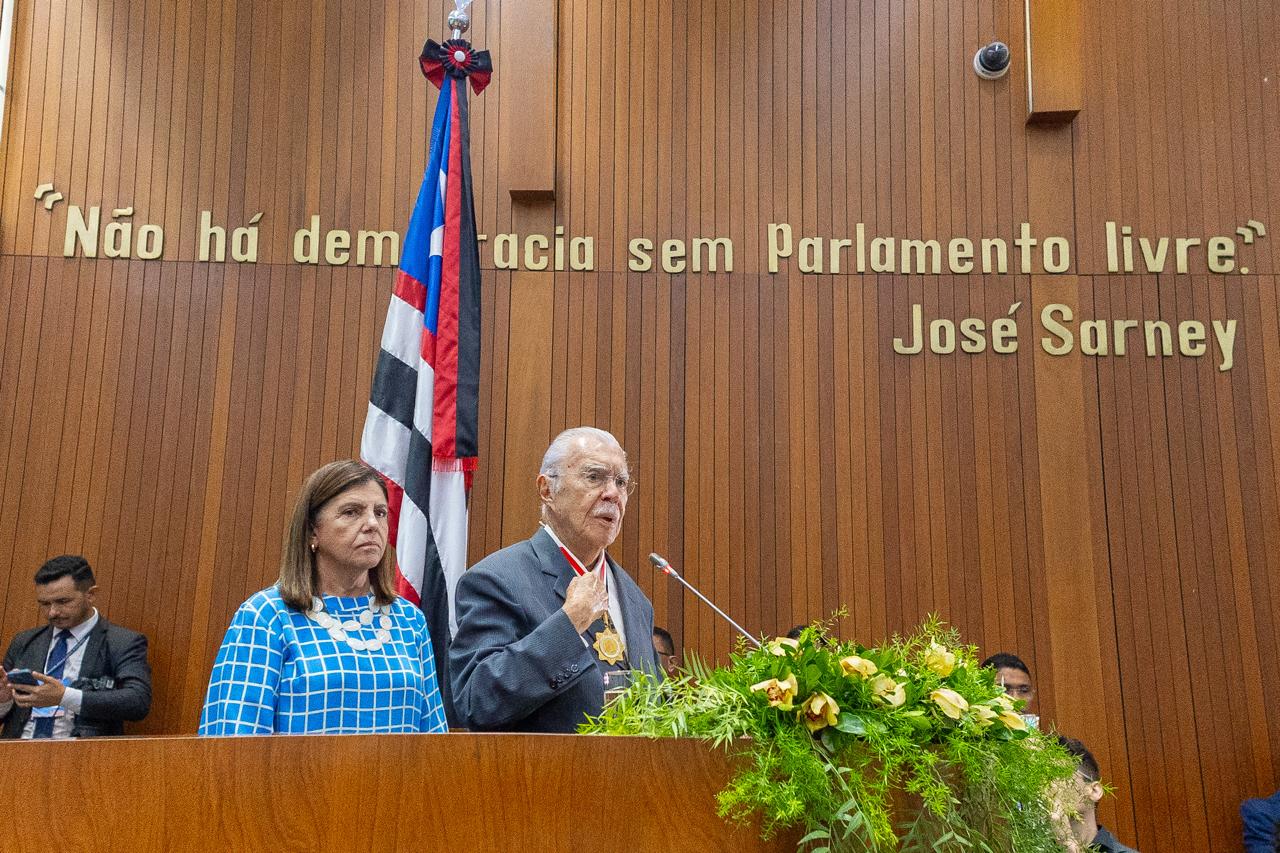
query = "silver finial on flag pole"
{"x": 459, "y": 21}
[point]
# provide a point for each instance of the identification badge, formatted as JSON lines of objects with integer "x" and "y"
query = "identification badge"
{"x": 52, "y": 711}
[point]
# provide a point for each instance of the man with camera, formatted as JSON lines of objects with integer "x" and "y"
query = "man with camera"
{"x": 78, "y": 675}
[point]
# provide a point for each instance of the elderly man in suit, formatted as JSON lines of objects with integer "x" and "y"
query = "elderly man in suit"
{"x": 541, "y": 623}
{"x": 91, "y": 675}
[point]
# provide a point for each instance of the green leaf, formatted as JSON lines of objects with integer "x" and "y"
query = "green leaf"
{"x": 851, "y": 723}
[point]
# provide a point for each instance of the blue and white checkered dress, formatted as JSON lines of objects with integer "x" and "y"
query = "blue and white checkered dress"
{"x": 278, "y": 671}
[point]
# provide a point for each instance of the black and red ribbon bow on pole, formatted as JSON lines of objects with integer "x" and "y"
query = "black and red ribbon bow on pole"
{"x": 458, "y": 59}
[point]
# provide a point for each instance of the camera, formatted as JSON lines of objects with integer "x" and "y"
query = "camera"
{"x": 991, "y": 62}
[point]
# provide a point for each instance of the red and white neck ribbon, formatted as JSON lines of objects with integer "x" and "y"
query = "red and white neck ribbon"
{"x": 578, "y": 568}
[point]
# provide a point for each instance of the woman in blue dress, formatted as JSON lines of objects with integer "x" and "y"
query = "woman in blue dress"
{"x": 330, "y": 648}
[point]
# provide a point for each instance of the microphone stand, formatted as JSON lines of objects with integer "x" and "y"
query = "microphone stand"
{"x": 667, "y": 569}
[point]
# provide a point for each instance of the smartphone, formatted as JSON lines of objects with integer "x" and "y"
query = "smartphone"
{"x": 22, "y": 677}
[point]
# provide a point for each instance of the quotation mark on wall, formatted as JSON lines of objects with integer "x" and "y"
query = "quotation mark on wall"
{"x": 1248, "y": 232}
{"x": 1250, "y": 228}
{"x": 46, "y": 192}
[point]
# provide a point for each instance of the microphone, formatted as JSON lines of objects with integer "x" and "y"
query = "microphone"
{"x": 667, "y": 569}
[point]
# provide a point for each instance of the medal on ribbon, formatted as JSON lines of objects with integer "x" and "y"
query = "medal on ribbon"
{"x": 608, "y": 644}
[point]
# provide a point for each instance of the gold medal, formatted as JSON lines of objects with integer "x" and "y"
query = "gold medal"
{"x": 608, "y": 645}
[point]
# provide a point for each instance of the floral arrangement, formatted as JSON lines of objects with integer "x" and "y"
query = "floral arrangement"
{"x": 908, "y": 746}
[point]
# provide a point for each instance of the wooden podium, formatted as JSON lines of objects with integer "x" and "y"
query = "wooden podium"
{"x": 457, "y": 792}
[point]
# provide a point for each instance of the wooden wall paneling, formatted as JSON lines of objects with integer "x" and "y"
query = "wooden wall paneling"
{"x": 890, "y": 583}
{"x": 1015, "y": 607}
{"x": 171, "y": 554}
{"x": 527, "y": 50}
{"x": 496, "y": 357}
{"x": 21, "y": 52}
{"x": 1029, "y": 560}
{"x": 1124, "y": 579}
{"x": 74, "y": 279}
{"x": 867, "y": 606}
{"x": 208, "y": 621}
{"x": 1256, "y": 457}
{"x": 589, "y": 343}
{"x": 1204, "y": 612}
{"x": 912, "y": 424}
{"x": 1217, "y": 637}
{"x": 16, "y": 418}
{"x": 752, "y": 450}
{"x": 130, "y": 505}
{"x": 1117, "y": 811}
{"x": 1269, "y": 314}
{"x": 684, "y": 448}
{"x": 671, "y": 426}
{"x": 847, "y": 590}
{"x": 1182, "y": 631}
{"x": 528, "y": 416}
{"x": 631, "y": 415}
{"x": 160, "y": 587}
{"x": 698, "y": 449}
{"x": 1129, "y": 733}
{"x": 997, "y": 612}
{"x": 731, "y": 561}
{"x": 825, "y": 563}
{"x": 644, "y": 467}
{"x": 46, "y": 143}
{"x": 788, "y": 562}
{"x": 318, "y": 94}
{"x": 72, "y": 146}
{"x": 1058, "y": 429}
{"x": 1055, "y": 90}
{"x": 713, "y": 425}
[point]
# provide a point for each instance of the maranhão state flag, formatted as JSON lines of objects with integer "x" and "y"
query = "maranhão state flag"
{"x": 420, "y": 432}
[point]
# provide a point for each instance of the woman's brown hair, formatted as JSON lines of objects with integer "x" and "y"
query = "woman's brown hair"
{"x": 298, "y": 582}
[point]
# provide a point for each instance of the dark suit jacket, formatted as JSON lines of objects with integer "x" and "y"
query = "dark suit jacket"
{"x": 111, "y": 652}
{"x": 516, "y": 663}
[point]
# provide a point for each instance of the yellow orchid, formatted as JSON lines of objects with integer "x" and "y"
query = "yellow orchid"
{"x": 952, "y": 703}
{"x": 854, "y": 665}
{"x": 779, "y": 645}
{"x": 984, "y": 715}
{"x": 1003, "y": 702}
{"x": 941, "y": 661}
{"x": 888, "y": 691}
{"x": 819, "y": 711}
{"x": 1013, "y": 722}
{"x": 779, "y": 693}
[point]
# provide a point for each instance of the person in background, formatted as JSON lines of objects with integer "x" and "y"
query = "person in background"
{"x": 330, "y": 648}
{"x": 1076, "y": 807}
{"x": 665, "y": 648}
{"x": 92, "y": 675}
{"x": 1261, "y": 824}
{"x": 1013, "y": 675}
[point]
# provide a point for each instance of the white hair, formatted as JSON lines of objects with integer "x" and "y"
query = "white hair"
{"x": 553, "y": 459}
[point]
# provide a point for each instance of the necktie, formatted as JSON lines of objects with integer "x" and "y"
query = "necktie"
{"x": 58, "y": 657}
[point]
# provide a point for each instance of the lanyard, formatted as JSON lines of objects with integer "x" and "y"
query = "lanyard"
{"x": 69, "y": 653}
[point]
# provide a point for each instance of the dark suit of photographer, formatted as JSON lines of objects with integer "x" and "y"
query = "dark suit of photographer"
{"x": 106, "y": 665}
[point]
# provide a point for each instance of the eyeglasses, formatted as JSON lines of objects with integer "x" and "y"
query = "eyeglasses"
{"x": 595, "y": 479}
{"x": 1023, "y": 690}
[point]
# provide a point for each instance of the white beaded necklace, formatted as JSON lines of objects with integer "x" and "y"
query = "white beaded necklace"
{"x": 339, "y": 630}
